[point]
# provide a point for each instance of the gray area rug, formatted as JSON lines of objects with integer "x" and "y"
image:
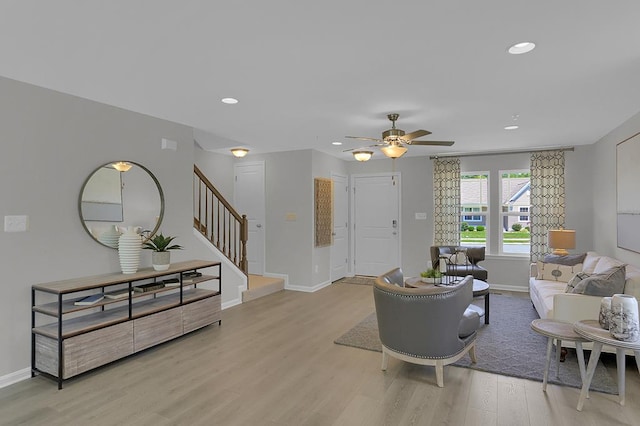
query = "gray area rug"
{"x": 507, "y": 346}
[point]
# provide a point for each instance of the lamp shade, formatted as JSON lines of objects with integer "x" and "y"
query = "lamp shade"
{"x": 239, "y": 152}
{"x": 560, "y": 240}
{"x": 393, "y": 150}
{"x": 362, "y": 155}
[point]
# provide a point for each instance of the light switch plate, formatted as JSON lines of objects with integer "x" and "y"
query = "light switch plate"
{"x": 16, "y": 223}
{"x": 421, "y": 216}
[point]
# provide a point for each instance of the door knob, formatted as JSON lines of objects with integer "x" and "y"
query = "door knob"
{"x": 258, "y": 226}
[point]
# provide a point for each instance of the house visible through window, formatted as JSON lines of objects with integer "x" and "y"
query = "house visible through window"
{"x": 512, "y": 214}
{"x": 474, "y": 206}
{"x": 515, "y": 213}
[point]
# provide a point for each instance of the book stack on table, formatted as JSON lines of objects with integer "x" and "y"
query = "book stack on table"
{"x": 143, "y": 288}
{"x": 189, "y": 277}
{"x": 89, "y": 300}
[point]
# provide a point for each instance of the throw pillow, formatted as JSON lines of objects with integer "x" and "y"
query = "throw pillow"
{"x": 459, "y": 258}
{"x": 606, "y": 284}
{"x": 605, "y": 264}
{"x": 555, "y": 272}
{"x": 575, "y": 280}
{"x": 590, "y": 262}
{"x": 570, "y": 260}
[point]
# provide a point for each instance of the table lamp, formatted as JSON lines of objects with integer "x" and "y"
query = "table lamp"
{"x": 560, "y": 240}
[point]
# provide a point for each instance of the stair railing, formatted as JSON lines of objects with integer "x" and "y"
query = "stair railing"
{"x": 219, "y": 222}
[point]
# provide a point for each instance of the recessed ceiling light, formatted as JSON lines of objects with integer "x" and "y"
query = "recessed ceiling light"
{"x": 229, "y": 101}
{"x": 520, "y": 48}
{"x": 336, "y": 143}
{"x": 512, "y": 127}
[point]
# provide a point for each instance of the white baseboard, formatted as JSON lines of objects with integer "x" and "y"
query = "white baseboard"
{"x": 309, "y": 289}
{"x": 15, "y": 377}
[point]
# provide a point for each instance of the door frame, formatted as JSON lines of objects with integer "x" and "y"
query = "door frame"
{"x": 352, "y": 214}
{"x": 264, "y": 206}
{"x": 349, "y": 270}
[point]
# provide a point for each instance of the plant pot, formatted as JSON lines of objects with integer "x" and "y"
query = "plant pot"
{"x": 160, "y": 260}
{"x": 432, "y": 280}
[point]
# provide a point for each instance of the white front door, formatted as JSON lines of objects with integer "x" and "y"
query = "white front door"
{"x": 377, "y": 223}
{"x": 249, "y": 199}
{"x": 340, "y": 247}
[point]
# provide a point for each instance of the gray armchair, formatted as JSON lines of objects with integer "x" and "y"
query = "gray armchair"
{"x": 427, "y": 325}
{"x": 474, "y": 255}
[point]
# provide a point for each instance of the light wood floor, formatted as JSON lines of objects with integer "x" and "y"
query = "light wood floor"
{"x": 273, "y": 362}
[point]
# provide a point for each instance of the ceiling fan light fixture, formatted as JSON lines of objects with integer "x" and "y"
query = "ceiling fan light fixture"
{"x": 520, "y": 48}
{"x": 239, "y": 152}
{"x": 362, "y": 155}
{"x": 393, "y": 150}
{"x": 121, "y": 166}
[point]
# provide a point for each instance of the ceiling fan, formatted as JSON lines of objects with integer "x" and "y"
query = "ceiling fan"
{"x": 393, "y": 140}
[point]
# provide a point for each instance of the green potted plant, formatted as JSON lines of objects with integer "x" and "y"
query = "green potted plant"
{"x": 432, "y": 276}
{"x": 160, "y": 256}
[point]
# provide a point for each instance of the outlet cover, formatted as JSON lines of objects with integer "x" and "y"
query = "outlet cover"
{"x": 421, "y": 216}
{"x": 16, "y": 223}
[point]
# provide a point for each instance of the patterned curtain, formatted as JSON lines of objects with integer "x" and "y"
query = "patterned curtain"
{"x": 547, "y": 198}
{"x": 446, "y": 201}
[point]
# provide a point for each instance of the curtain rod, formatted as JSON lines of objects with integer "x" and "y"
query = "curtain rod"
{"x": 480, "y": 154}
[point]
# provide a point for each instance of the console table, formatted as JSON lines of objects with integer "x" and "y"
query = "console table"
{"x": 136, "y": 311}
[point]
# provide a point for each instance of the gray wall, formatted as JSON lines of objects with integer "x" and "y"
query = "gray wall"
{"x": 51, "y": 142}
{"x": 603, "y": 202}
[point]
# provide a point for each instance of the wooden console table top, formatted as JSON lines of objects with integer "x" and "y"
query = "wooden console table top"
{"x": 87, "y": 283}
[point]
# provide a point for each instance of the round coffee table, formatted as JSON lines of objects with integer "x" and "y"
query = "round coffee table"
{"x": 590, "y": 329}
{"x": 481, "y": 288}
{"x": 559, "y": 331}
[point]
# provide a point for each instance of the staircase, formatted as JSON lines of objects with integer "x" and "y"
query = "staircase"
{"x": 227, "y": 230}
{"x": 259, "y": 286}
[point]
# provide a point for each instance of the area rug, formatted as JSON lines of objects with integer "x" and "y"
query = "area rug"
{"x": 357, "y": 279}
{"x": 507, "y": 346}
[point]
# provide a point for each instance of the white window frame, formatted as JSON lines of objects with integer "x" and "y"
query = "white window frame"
{"x": 478, "y": 211}
{"x": 512, "y": 212}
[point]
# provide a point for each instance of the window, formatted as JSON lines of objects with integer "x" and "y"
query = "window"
{"x": 515, "y": 199}
{"x": 474, "y": 208}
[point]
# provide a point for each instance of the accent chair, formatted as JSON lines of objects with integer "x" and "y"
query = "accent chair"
{"x": 474, "y": 256}
{"x": 427, "y": 325}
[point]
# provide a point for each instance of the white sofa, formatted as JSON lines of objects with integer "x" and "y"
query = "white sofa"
{"x": 551, "y": 301}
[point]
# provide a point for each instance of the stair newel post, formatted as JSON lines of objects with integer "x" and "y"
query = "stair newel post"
{"x": 244, "y": 236}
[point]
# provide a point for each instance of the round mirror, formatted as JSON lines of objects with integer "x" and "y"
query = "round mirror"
{"x": 119, "y": 195}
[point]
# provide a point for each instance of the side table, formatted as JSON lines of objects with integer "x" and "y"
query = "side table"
{"x": 481, "y": 288}
{"x": 559, "y": 331}
{"x": 590, "y": 329}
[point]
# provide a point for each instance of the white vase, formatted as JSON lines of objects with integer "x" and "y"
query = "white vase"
{"x": 110, "y": 237}
{"x": 605, "y": 313}
{"x": 129, "y": 246}
{"x": 624, "y": 318}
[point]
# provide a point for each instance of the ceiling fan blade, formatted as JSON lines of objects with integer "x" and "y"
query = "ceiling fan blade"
{"x": 433, "y": 143}
{"x": 414, "y": 135}
{"x": 362, "y": 147}
{"x": 363, "y": 138}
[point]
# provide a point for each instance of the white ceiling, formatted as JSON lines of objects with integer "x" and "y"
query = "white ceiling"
{"x": 309, "y": 73}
